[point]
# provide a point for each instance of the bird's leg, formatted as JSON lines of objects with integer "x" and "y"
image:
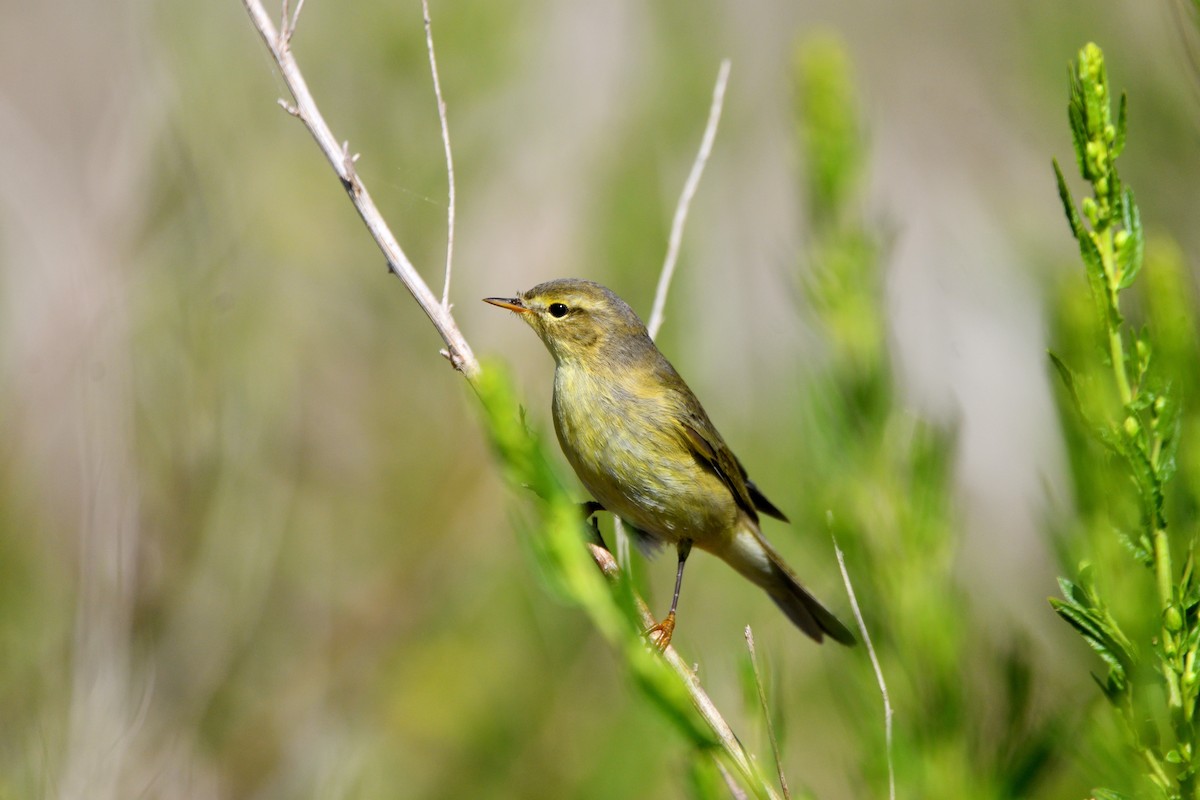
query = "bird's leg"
{"x": 661, "y": 633}
{"x": 589, "y": 510}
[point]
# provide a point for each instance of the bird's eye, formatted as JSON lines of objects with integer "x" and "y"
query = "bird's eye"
{"x": 558, "y": 310}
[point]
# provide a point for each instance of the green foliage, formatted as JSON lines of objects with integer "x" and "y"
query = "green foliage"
{"x": 1151, "y": 677}
{"x": 1086, "y": 612}
{"x": 845, "y": 289}
{"x": 883, "y": 479}
{"x": 829, "y": 128}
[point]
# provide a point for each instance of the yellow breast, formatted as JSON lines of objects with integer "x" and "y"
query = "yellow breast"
{"x": 627, "y": 449}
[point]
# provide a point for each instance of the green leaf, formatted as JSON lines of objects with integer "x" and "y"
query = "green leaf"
{"x": 1068, "y": 378}
{"x": 1064, "y": 194}
{"x": 1129, "y": 255}
{"x": 1071, "y": 592}
{"x": 1168, "y": 428}
{"x": 1119, "y": 141}
{"x": 1092, "y": 261}
{"x": 1112, "y": 688}
{"x": 1093, "y": 630}
{"x": 1093, "y": 86}
{"x": 1132, "y": 449}
{"x": 1143, "y": 355}
{"x": 1113, "y": 438}
{"x": 1079, "y": 135}
{"x": 1190, "y": 589}
{"x": 1084, "y": 611}
{"x": 1087, "y": 576}
{"x": 1108, "y": 794}
{"x": 1138, "y": 546}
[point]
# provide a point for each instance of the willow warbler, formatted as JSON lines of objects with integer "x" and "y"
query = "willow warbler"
{"x": 641, "y": 443}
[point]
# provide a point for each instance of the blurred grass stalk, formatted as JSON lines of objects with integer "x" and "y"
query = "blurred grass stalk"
{"x": 1146, "y": 629}
{"x": 882, "y": 482}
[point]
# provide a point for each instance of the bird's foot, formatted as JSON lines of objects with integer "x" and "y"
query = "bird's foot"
{"x": 660, "y": 635}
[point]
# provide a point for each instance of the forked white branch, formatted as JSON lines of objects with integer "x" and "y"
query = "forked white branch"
{"x": 305, "y": 109}
{"x": 287, "y": 22}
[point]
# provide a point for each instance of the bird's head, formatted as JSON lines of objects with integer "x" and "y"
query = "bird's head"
{"x": 579, "y": 321}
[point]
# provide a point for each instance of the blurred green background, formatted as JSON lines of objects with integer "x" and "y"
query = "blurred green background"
{"x": 251, "y": 541}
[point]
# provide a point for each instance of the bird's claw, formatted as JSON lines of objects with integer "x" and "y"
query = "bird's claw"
{"x": 660, "y": 635}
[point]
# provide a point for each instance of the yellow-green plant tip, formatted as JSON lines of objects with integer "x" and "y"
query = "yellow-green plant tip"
{"x": 1172, "y": 620}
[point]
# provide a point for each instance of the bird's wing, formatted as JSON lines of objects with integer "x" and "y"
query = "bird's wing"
{"x": 712, "y": 451}
{"x": 717, "y": 455}
{"x": 760, "y": 500}
{"x": 708, "y": 446}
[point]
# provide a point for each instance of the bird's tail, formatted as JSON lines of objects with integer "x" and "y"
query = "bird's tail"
{"x": 755, "y": 558}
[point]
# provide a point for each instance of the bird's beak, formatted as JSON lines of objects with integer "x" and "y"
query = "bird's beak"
{"x": 511, "y": 303}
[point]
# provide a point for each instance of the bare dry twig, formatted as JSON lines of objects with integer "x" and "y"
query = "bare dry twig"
{"x": 287, "y": 22}
{"x": 685, "y": 199}
{"x": 305, "y": 109}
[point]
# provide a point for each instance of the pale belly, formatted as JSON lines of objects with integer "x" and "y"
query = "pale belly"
{"x": 629, "y": 454}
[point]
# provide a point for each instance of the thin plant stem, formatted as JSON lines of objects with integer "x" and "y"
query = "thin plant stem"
{"x": 1116, "y": 345}
{"x": 685, "y": 199}
{"x": 441, "y": 106}
{"x": 735, "y": 791}
{"x": 883, "y": 690}
{"x": 762, "y": 701}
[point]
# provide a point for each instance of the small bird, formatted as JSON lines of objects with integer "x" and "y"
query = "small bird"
{"x": 642, "y": 444}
